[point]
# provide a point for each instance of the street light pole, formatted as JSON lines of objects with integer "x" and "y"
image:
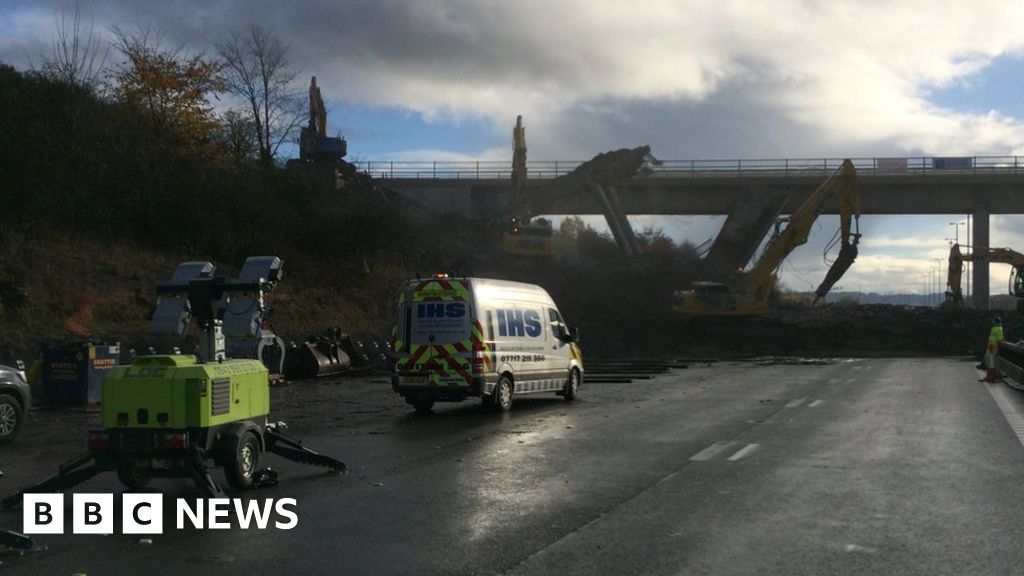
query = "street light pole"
{"x": 969, "y": 265}
{"x": 934, "y": 283}
{"x": 957, "y": 225}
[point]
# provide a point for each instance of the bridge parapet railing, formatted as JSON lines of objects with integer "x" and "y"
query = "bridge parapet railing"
{"x": 462, "y": 169}
{"x": 707, "y": 168}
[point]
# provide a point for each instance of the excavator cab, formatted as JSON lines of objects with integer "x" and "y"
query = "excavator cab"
{"x": 705, "y": 298}
{"x": 1017, "y": 281}
{"x": 530, "y": 239}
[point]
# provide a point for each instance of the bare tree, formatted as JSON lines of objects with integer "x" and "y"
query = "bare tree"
{"x": 256, "y": 68}
{"x": 78, "y": 55}
{"x": 237, "y": 135}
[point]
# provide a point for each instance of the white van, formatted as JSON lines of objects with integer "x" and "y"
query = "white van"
{"x": 459, "y": 337}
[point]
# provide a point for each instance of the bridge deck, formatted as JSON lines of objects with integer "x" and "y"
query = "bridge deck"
{"x": 934, "y": 192}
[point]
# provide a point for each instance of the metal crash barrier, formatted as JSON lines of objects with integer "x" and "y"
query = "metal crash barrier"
{"x": 1010, "y": 361}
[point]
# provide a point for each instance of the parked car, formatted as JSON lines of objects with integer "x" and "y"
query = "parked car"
{"x": 15, "y": 400}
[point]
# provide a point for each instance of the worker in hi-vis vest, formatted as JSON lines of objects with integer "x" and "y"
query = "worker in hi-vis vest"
{"x": 995, "y": 336}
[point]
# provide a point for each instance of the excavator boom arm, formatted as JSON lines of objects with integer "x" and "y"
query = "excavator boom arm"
{"x": 520, "y": 204}
{"x": 955, "y": 272}
{"x": 983, "y": 255}
{"x": 841, "y": 184}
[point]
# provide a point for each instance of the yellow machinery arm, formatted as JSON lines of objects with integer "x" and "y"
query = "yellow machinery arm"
{"x": 520, "y": 204}
{"x": 524, "y": 236}
{"x": 753, "y": 293}
{"x": 997, "y": 255}
{"x": 842, "y": 184}
{"x": 317, "y": 111}
{"x": 849, "y": 214}
{"x": 954, "y": 296}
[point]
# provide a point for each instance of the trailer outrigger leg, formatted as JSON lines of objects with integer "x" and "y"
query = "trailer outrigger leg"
{"x": 68, "y": 475}
{"x": 291, "y": 448}
{"x": 91, "y": 463}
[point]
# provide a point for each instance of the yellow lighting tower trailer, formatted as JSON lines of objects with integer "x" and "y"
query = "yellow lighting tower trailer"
{"x": 172, "y": 415}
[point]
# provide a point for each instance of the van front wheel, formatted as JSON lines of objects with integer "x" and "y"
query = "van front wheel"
{"x": 572, "y": 385}
{"x": 503, "y": 394}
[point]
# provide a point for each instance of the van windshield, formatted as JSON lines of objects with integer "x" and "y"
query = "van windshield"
{"x": 439, "y": 322}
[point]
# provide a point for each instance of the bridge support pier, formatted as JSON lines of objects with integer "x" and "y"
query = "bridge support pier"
{"x": 621, "y": 229}
{"x": 979, "y": 274}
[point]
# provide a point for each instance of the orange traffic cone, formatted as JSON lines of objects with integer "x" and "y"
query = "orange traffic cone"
{"x": 992, "y": 375}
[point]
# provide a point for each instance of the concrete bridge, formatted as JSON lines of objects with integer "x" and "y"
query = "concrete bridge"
{"x": 751, "y": 193}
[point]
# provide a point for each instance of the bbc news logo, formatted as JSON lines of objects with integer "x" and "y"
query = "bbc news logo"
{"x": 144, "y": 514}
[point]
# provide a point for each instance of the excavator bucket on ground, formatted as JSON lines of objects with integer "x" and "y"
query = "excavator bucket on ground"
{"x": 332, "y": 352}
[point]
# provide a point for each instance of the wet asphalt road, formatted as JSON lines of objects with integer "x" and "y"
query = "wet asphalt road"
{"x": 880, "y": 466}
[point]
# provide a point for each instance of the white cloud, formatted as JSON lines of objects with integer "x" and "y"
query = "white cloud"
{"x": 1007, "y": 231}
{"x": 919, "y": 242}
{"x": 708, "y": 77}
{"x": 851, "y": 73}
{"x": 447, "y": 156}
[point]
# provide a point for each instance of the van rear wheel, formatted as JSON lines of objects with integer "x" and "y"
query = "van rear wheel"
{"x": 503, "y": 394}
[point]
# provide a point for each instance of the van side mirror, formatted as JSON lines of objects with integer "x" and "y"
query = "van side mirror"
{"x": 572, "y": 336}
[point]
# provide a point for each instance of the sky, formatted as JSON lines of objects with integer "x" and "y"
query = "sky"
{"x": 693, "y": 79}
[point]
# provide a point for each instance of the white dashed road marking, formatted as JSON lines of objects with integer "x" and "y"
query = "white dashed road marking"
{"x": 719, "y": 448}
{"x": 743, "y": 452}
{"x": 795, "y": 403}
{"x": 712, "y": 451}
{"x": 815, "y": 403}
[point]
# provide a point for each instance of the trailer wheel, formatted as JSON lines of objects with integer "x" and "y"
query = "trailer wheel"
{"x": 572, "y": 385}
{"x": 131, "y": 475}
{"x": 243, "y": 457}
{"x": 10, "y": 418}
{"x": 503, "y": 394}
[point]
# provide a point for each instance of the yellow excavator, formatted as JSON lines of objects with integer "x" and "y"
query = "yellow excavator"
{"x": 751, "y": 292}
{"x": 314, "y": 143}
{"x": 954, "y": 296}
{"x": 524, "y": 236}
